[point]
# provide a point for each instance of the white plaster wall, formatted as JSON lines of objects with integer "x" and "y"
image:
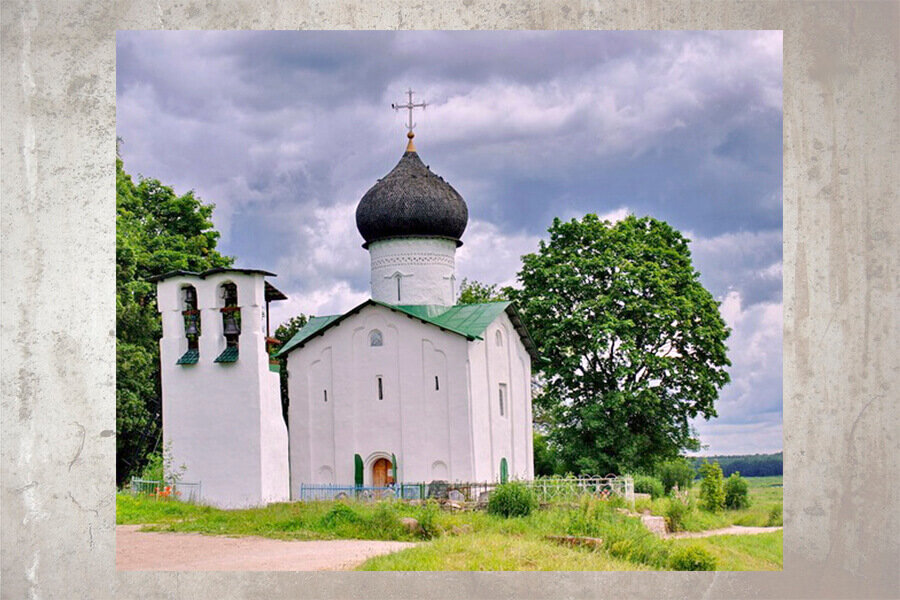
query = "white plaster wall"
{"x": 426, "y": 267}
{"x": 222, "y": 421}
{"x": 421, "y": 426}
{"x": 495, "y": 436}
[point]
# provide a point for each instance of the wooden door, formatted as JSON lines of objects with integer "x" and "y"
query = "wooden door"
{"x": 381, "y": 472}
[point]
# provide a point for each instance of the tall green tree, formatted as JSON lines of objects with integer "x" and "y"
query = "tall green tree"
{"x": 283, "y": 334}
{"x": 634, "y": 346}
{"x": 474, "y": 292}
{"x": 156, "y": 231}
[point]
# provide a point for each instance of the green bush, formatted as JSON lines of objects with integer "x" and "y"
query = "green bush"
{"x": 737, "y": 493}
{"x": 677, "y": 508}
{"x": 427, "y": 518}
{"x": 691, "y": 558}
{"x": 712, "y": 487}
{"x": 624, "y": 537}
{"x": 776, "y": 518}
{"x": 646, "y": 484}
{"x": 512, "y": 499}
{"x": 675, "y": 472}
{"x": 340, "y": 514}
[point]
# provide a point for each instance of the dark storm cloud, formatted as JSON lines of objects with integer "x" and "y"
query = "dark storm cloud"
{"x": 285, "y": 131}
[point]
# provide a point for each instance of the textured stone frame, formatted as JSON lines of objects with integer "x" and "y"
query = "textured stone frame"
{"x": 840, "y": 296}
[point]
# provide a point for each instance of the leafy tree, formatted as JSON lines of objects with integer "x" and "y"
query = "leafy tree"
{"x": 737, "y": 493}
{"x": 677, "y": 471}
{"x": 156, "y": 231}
{"x": 546, "y": 462}
{"x": 283, "y": 334}
{"x": 634, "y": 346}
{"x": 473, "y": 292}
{"x": 712, "y": 487}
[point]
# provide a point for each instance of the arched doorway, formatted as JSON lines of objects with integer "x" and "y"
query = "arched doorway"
{"x": 382, "y": 473}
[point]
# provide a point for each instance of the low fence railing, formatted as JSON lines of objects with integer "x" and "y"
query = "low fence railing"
{"x": 180, "y": 490}
{"x": 546, "y": 490}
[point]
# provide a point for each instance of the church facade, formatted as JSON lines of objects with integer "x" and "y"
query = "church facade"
{"x": 408, "y": 386}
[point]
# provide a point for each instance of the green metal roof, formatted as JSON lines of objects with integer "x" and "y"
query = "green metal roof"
{"x": 229, "y": 355}
{"x": 469, "y": 320}
{"x": 189, "y": 358}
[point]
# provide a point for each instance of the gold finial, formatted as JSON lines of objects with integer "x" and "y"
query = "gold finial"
{"x": 410, "y": 105}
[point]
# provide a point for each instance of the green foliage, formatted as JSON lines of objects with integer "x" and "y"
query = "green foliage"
{"x": 647, "y": 484}
{"x": 428, "y": 519}
{"x": 712, "y": 487}
{"x": 750, "y": 465}
{"x": 160, "y": 467}
{"x": 512, "y": 499}
{"x": 473, "y": 292}
{"x": 678, "y": 507}
{"x": 156, "y": 231}
{"x": 692, "y": 558}
{"x": 283, "y": 334}
{"x": 546, "y": 462}
{"x": 776, "y": 518}
{"x": 624, "y": 537}
{"x": 737, "y": 494}
{"x": 634, "y": 344}
{"x": 677, "y": 471}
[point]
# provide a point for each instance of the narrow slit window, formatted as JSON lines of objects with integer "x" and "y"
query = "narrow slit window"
{"x": 502, "y": 398}
{"x": 437, "y": 383}
{"x": 380, "y": 389}
{"x": 325, "y": 395}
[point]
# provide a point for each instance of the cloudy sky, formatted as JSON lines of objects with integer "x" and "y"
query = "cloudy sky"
{"x": 285, "y": 131}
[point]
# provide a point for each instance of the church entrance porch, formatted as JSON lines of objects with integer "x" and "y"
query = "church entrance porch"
{"x": 382, "y": 473}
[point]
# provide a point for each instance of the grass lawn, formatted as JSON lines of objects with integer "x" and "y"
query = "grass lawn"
{"x": 475, "y": 540}
{"x": 759, "y": 552}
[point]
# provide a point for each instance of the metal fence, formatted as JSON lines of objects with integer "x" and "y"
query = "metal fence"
{"x": 546, "y": 490}
{"x": 180, "y": 490}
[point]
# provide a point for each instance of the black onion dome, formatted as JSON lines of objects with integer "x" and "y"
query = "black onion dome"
{"x": 411, "y": 201}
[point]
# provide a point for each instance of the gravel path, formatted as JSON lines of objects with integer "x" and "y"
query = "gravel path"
{"x": 159, "y": 551}
{"x": 733, "y": 530}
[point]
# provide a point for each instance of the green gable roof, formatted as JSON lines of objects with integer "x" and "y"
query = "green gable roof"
{"x": 468, "y": 320}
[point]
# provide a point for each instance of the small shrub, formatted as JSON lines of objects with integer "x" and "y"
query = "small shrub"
{"x": 678, "y": 507}
{"x": 737, "y": 494}
{"x": 624, "y": 537}
{"x": 712, "y": 487}
{"x": 512, "y": 499}
{"x": 646, "y": 484}
{"x": 776, "y": 518}
{"x": 691, "y": 558}
{"x": 675, "y": 472}
{"x": 339, "y": 514}
{"x": 428, "y": 517}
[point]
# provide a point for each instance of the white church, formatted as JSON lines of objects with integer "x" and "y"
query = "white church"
{"x": 406, "y": 387}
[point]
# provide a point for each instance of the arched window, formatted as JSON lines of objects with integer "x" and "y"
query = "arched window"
{"x": 231, "y": 322}
{"x": 375, "y": 338}
{"x": 498, "y": 337}
{"x": 191, "y": 325}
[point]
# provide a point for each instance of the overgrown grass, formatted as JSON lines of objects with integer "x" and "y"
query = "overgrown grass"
{"x": 766, "y": 495}
{"x": 494, "y": 551}
{"x": 758, "y": 552}
{"x": 480, "y": 541}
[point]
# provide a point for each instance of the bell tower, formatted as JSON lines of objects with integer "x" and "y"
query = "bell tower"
{"x": 221, "y": 397}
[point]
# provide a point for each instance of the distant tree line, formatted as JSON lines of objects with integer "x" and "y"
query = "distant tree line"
{"x": 749, "y": 465}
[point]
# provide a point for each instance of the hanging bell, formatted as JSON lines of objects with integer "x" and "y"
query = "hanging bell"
{"x": 190, "y": 298}
{"x": 190, "y": 326}
{"x": 231, "y": 326}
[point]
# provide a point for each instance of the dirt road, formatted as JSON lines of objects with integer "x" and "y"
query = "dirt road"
{"x": 153, "y": 551}
{"x": 733, "y": 530}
